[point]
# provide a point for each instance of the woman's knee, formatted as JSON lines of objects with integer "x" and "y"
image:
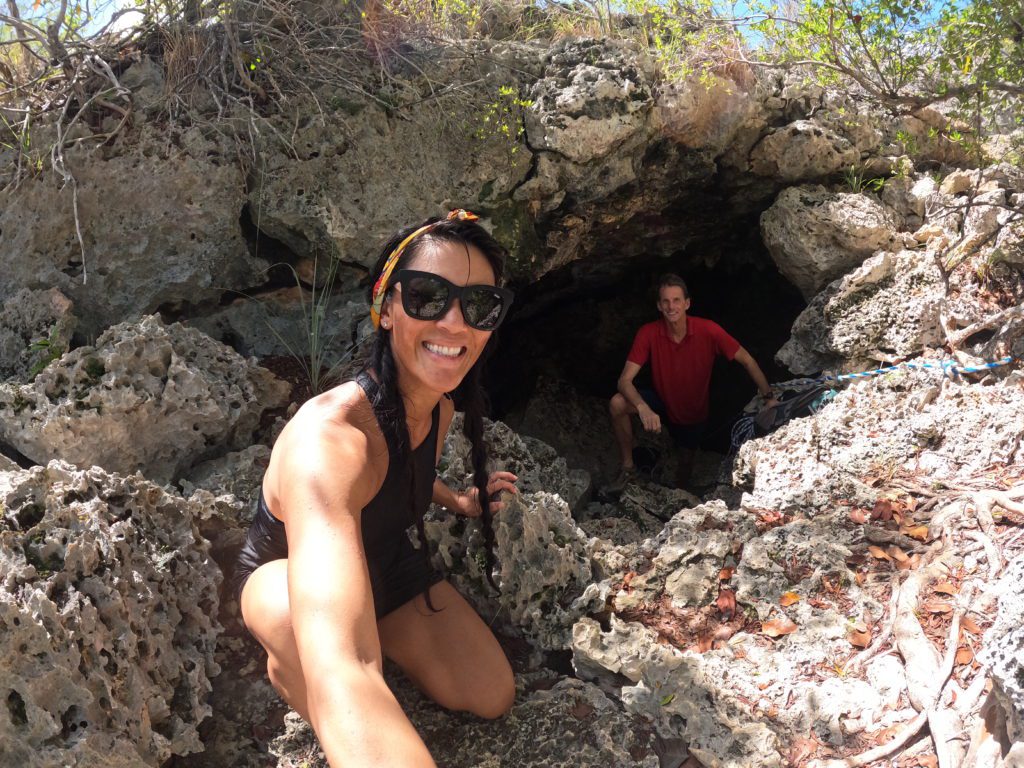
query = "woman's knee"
{"x": 496, "y": 699}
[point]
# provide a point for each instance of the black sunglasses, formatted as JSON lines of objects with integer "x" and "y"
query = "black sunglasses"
{"x": 426, "y": 296}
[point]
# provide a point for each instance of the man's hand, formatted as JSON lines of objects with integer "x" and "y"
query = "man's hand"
{"x": 650, "y": 420}
{"x": 468, "y": 503}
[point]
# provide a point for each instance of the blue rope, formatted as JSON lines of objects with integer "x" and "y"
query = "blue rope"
{"x": 948, "y": 367}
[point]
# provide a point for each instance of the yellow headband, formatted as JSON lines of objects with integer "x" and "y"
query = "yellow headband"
{"x": 381, "y": 286}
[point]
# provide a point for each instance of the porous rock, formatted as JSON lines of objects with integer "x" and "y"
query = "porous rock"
{"x": 536, "y": 464}
{"x": 592, "y": 97}
{"x": 889, "y": 302}
{"x": 687, "y": 556}
{"x": 1003, "y": 648}
{"x": 555, "y": 723}
{"x": 914, "y": 421}
{"x": 815, "y": 236}
{"x": 173, "y": 208}
{"x": 108, "y": 599}
{"x": 147, "y": 397}
{"x": 282, "y": 323}
{"x": 802, "y": 150}
{"x": 675, "y": 691}
{"x": 35, "y": 328}
{"x": 543, "y": 566}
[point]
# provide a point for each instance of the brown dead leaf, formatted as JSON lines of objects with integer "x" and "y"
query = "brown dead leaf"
{"x": 704, "y": 642}
{"x": 788, "y": 598}
{"x": 860, "y": 578}
{"x": 878, "y": 553}
{"x": 919, "y": 532}
{"x": 778, "y": 627}
{"x": 945, "y": 588}
{"x": 628, "y": 578}
{"x": 898, "y": 554}
{"x": 722, "y": 636}
{"x": 725, "y": 574}
{"x": 859, "y": 515}
{"x": 726, "y": 602}
{"x": 964, "y": 655}
{"x": 858, "y": 638}
{"x": 882, "y": 510}
{"x": 937, "y": 606}
{"x": 968, "y": 624}
{"x": 801, "y": 749}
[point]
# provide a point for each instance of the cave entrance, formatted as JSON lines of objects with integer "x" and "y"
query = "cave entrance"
{"x": 577, "y": 325}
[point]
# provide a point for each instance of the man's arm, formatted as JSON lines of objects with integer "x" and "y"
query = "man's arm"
{"x": 754, "y": 371}
{"x": 651, "y": 420}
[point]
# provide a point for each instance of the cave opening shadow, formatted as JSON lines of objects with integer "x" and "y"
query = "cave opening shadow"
{"x": 577, "y": 326}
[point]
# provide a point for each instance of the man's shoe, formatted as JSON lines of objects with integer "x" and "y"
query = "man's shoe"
{"x": 626, "y": 475}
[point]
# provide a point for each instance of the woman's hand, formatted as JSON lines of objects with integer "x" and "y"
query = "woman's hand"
{"x": 468, "y": 503}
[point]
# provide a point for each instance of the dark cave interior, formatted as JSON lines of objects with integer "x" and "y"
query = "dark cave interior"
{"x": 577, "y": 325}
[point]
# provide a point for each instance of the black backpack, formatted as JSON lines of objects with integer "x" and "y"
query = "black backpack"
{"x": 792, "y": 404}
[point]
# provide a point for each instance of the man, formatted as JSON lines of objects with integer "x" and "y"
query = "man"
{"x": 681, "y": 351}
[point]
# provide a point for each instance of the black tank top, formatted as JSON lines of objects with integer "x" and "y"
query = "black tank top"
{"x": 384, "y": 520}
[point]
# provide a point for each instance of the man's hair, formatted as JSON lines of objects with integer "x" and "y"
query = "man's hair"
{"x": 669, "y": 279}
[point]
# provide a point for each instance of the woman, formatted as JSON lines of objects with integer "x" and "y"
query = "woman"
{"x": 349, "y": 474}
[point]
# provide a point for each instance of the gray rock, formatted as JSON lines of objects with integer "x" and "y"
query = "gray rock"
{"x": 168, "y": 208}
{"x": 570, "y": 724}
{"x": 1003, "y": 648}
{"x": 147, "y": 397}
{"x": 886, "y": 307}
{"x": 676, "y": 691}
{"x": 802, "y": 151}
{"x": 537, "y": 465}
{"x": 281, "y": 323}
{"x": 903, "y": 420}
{"x": 35, "y": 328}
{"x": 814, "y": 235}
{"x": 107, "y": 604}
{"x": 543, "y": 566}
{"x": 593, "y": 97}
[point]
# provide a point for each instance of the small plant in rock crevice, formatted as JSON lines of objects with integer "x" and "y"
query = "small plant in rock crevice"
{"x": 858, "y": 181}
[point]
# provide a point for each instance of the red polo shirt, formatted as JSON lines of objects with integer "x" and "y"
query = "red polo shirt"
{"x": 682, "y": 371}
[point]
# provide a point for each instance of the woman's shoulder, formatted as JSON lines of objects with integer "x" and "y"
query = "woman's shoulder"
{"x": 338, "y": 420}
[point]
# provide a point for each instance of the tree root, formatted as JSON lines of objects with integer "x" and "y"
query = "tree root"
{"x": 882, "y": 751}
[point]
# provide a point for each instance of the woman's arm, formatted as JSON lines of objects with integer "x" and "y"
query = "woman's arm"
{"x": 354, "y": 714}
{"x": 466, "y": 503}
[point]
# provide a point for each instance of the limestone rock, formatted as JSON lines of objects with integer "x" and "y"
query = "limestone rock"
{"x": 814, "y": 235}
{"x": 687, "y": 557}
{"x": 1003, "y": 648}
{"x": 334, "y": 192}
{"x": 281, "y": 323}
{"x": 908, "y": 196}
{"x": 566, "y": 724}
{"x": 591, "y": 98}
{"x": 889, "y": 306}
{"x": 903, "y": 420}
{"x": 543, "y": 566}
{"x": 146, "y": 397}
{"x": 108, "y": 600}
{"x": 801, "y": 151}
{"x": 35, "y": 328}
{"x": 537, "y": 465}
{"x": 710, "y": 112}
{"x": 576, "y": 426}
{"x": 167, "y": 208}
{"x": 676, "y": 691}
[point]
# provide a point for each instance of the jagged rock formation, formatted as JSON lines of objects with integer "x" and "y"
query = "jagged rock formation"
{"x": 146, "y": 397}
{"x": 733, "y": 629}
{"x": 108, "y": 619}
